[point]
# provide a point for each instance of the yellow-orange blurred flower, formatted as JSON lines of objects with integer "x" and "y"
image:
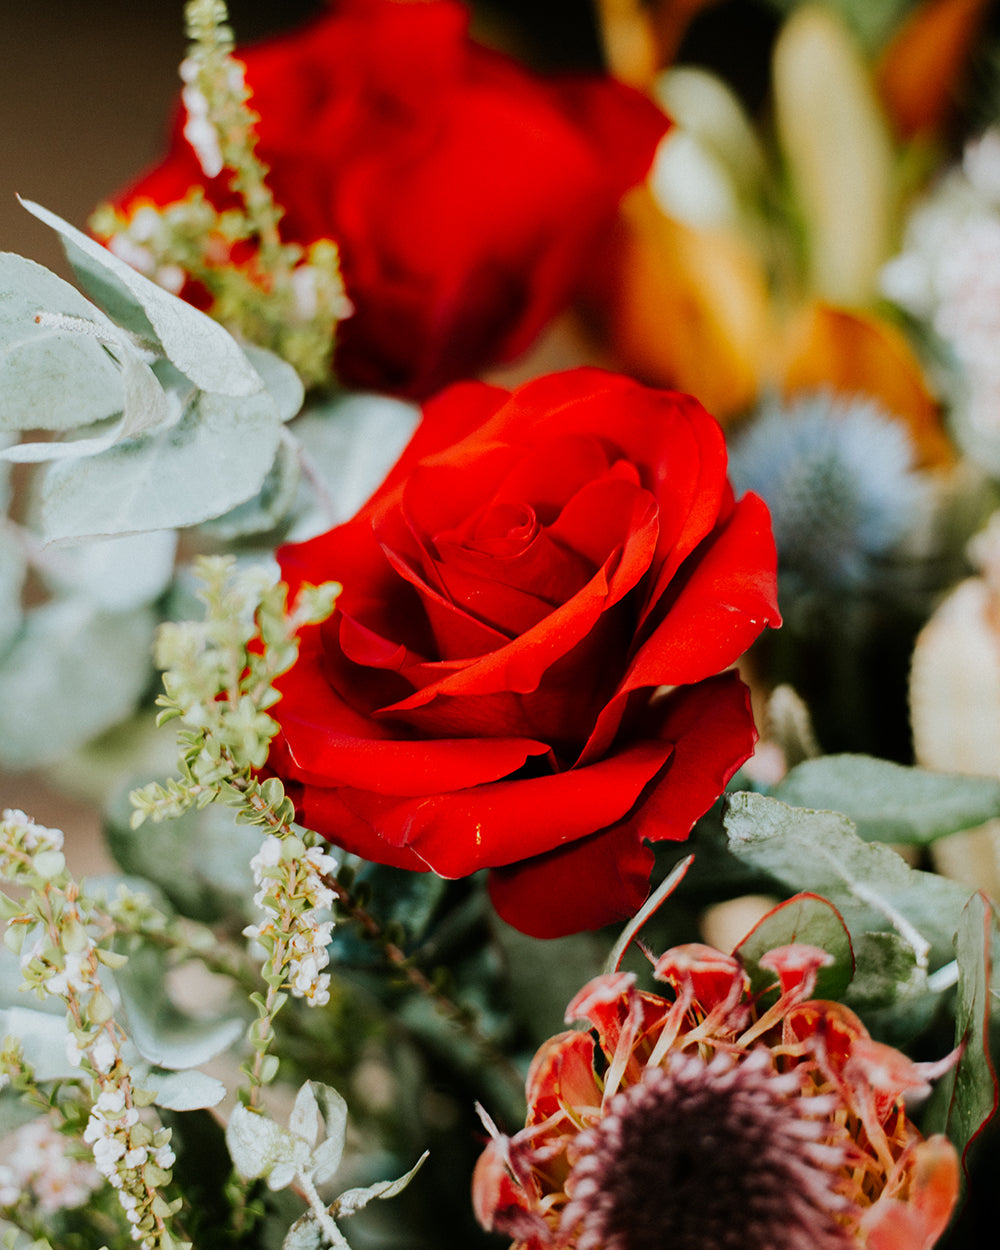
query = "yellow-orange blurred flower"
{"x": 716, "y": 1118}
{"x": 743, "y": 293}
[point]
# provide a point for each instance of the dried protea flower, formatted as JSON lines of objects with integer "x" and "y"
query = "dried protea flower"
{"x": 718, "y": 1119}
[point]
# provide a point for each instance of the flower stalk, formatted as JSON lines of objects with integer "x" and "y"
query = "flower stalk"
{"x": 62, "y": 938}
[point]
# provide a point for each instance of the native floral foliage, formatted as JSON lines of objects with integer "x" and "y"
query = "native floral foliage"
{"x": 718, "y": 1117}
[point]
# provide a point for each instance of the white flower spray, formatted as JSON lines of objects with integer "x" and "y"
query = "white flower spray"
{"x": 286, "y": 297}
{"x": 61, "y": 938}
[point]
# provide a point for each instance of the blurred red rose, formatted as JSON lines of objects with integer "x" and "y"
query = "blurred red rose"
{"x": 522, "y": 672}
{"x": 466, "y": 194}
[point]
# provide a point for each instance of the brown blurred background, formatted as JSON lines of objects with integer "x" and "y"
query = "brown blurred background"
{"x": 86, "y": 87}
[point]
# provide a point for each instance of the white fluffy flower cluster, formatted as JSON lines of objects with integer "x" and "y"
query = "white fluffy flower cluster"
{"x": 296, "y": 902}
{"x": 123, "y": 1148}
{"x": 948, "y": 273}
{"x": 63, "y": 972}
{"x": 22, "y": 842}
{"x": 199, "y": 129}
{"x": 39, "y": 1166}
{"x": 137, "y": 244}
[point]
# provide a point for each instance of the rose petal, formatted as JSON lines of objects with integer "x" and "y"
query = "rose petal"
{"x": 602, "y": 879}
{"x": 459, "y": 832}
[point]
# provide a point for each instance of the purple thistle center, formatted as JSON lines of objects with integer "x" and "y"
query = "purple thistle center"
{"x": 716, "y": 1155}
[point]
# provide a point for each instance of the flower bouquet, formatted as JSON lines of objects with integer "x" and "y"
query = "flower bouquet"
{"x": 508, "y": 554}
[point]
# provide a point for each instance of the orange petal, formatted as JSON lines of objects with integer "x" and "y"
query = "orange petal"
{"x": 562, "y": 1075}
{"x": 919, "y": 72}
{"x": 856, "y": 353}
{"x": 640, "y": 37}
{"x": 689, "y": 308}
{"x": 916, "y": 1222}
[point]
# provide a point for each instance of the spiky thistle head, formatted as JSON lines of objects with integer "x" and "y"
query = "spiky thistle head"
{"x": 837, "y": 475}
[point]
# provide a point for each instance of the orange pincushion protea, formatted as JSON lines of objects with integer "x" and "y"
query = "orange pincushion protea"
{"x": 712, "y": 1122}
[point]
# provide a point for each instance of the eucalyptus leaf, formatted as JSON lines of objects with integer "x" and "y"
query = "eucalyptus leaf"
{"x": 197, "y": 345}
{"x": 215, "y": 457}
{"x": 869, "y": 884}
{"x": 349, "y": 443}
{"x": 352, "y": 1200}
{"x": 72, "y": 672}
{"x": 43, "y": 1037}
{"x": 185, "y": 1091}
{"x": 304, "y": 1119}
{"x": 261, "y": 1148}
{"x": 164, "y": 1035}
{"x": 305, "y": 1234}
{"x": 280, "y": 380}
{"x": 890, "y": 803}
{"x": 117, "y": 574}
{"x": 807, "y": 919}
{"x": 50, "y": 379}
{"x": 327, "y": 1155}
{"x": 891, "y": 991}
{"x": 146, "y": 406}
{"x": 269, "y": 507}
{"x": 971, "y": 1088}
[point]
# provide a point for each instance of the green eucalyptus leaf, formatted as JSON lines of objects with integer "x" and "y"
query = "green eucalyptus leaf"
{"x": 269, "y": 507}
{"x": 146, "y": 407}
{"x": 970, "y": 1090}
{"x": 72, "y": 672}
{"x": 890, "y": 803}
{"x": 201, "y": 860}
{"x": 891, "y": 991}
{"x": 185, "y": 1091}
{"x": 261, "y": 1148}
{"x": 163, "y": 1034}
{"x": 305, "y": 1234}
{"x": 350, "y": 443}
{"x": 215, "y": 457}
{"x": 197, "y": 345}
{"x": 352, "y": 1200}
{"x": 326, "y": 1157}
{"x": 280, "y": 380}
{"x": 810, "y": 920}
{"x": 869, "y": 884}
{"x": 304, "y": 1120}
{"x": 50, "y": 379}
{"x": 106, "y": 290}
{"x": 117, "y": 574}
{"x": 43, "y": 1037}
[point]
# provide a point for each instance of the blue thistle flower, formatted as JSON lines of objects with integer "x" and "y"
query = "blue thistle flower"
{"x": 837, "y": 474}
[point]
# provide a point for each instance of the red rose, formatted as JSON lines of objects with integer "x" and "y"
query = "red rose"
{"x": 521, "y": 673}
{"x": 466, "y": 195}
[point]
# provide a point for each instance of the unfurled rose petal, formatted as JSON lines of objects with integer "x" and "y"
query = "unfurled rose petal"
{"x": 523, "y": 671}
